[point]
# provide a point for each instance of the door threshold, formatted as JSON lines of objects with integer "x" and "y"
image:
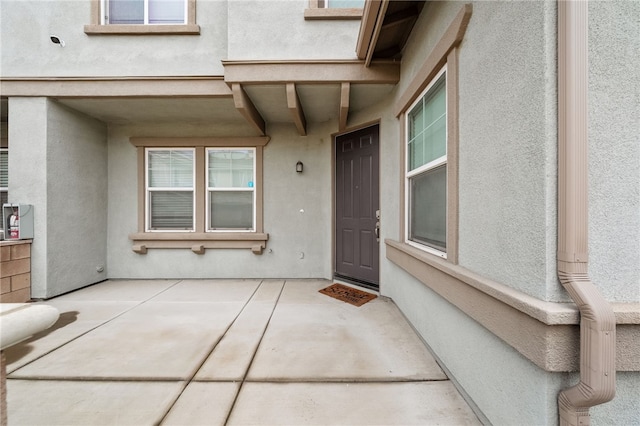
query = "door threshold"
{"x": 356, "y": 282}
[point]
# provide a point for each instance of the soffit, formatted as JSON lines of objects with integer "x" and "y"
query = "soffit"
{"x": 157, "y": 110}
{"x": 385, "y": 28}
{"x": 251, "y": 94}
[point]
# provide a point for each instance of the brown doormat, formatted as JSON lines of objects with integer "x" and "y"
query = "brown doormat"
{"x": 348, "y": 294}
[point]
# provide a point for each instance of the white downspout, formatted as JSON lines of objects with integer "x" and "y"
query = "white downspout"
{"x": 597, "y": 320}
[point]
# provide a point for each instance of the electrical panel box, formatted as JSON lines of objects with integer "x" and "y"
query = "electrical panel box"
{"x": 18, "y": 221}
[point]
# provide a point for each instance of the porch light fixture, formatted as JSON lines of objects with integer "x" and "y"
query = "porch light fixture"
{"x": 299, "y": 166}
{"x": 56, "y": 40}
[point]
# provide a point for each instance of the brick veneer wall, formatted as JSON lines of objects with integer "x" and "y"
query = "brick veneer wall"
{"x": 15, "y": 271}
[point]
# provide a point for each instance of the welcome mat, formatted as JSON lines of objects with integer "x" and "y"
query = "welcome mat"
{"x": 348, "y": 294}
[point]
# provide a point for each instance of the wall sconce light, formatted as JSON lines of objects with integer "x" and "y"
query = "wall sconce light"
{"x": 299, "y": 166}
{"x": 56, "y": 40}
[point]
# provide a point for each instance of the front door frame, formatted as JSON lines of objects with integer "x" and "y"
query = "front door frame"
{"x": 334, "y": 136}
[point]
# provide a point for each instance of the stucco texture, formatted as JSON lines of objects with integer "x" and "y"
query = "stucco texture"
{"x": 508, "y": 138}
{"x": 278, "y": 30}
{"x": 614, "y": 149}
{"x": 68, "y": 151}
{"x": 297, "y": 211}
{"x": 25, "y": 27}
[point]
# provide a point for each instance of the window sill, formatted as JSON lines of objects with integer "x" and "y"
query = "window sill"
{"x": 198, "y": 242}
{"x": 186, "y": 29}
{"x": 332, "y": 14}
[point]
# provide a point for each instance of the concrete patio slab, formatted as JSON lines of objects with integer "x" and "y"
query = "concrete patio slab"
{"x": 420, "y": 403}
{"x": 120, "y": 290}
{"x": 231, "y": 358}
{"x": 209, "y": 291}
{"x": 203, "y": 403}
{"x": 76, "y": 318}
{"x": 338, "y": 341}
{"x": 178, "y": 352}
{"x": 161, "y": 340}
{"x": 67, "y": 403}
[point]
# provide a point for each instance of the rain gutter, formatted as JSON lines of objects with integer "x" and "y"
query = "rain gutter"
{"x": 597, "y": 319}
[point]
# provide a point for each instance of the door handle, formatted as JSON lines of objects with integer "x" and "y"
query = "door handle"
{"x": 377, "y": 231}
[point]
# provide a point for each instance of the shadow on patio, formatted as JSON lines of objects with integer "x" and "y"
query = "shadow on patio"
{"x": 212, "y": 352}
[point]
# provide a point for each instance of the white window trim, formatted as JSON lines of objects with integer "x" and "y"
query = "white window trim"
{"x": 208, "y": 190}
{"x": 148, "y": 191}
{"x": 425, "y": 167}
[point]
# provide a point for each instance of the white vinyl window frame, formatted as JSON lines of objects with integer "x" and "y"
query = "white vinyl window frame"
{"x": 149, "y": 190}
{"x": 251, "y": 189}
{"x": 425, "y": 168}
{"x": 105, "y": 19}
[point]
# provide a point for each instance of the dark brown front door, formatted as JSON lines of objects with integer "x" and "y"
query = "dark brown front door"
{"x": 357, "y": 203}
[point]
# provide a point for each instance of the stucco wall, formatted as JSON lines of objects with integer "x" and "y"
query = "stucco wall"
{"x": 292, "y": 233}
{"x": 278, "y": 30}
{"x": 614, "y": 148}
{"x": 508, "y": 193}
{"x": 25, "y": 27}
{"x": 508, "y": 145}
{"x": 28, "y": 146}
{"x": 66, "y": 150}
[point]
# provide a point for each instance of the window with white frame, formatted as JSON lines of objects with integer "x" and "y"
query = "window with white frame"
{"x": 170, "y": 189}
{"x": 426, "y": 168}
{"x": 341, "y": 4}
{"x": 144, "y": 12}
{"x": 231, "y": 189}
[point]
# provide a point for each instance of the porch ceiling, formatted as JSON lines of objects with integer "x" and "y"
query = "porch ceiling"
{"x": 318, "y": 102}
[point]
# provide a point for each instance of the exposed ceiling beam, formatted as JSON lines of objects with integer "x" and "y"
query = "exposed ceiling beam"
{"x": 295, "y": 107}
{"x": 345, "y": 91}
{"x": 247, "y": 108}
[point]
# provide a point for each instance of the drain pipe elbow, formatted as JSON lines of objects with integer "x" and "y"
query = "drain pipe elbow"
{"x": 597, "y": 351}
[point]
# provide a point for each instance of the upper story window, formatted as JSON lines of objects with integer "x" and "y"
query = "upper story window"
{"x": 426, "y": 176}
{"x": 341, "y": 4}
{"x": 152, "y": 17}
{"x": 144, "y": 11}
{"x": 334, "y": 9}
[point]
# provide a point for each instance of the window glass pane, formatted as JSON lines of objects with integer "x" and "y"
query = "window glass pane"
{"x": 166, "y": 11}
{"x": 428, "y": 208}
{"x": 126, "y": 11}
{"x": 345, "y": 3}
{"x": 171, "y": 210}
{"x": 231, "y": 209}
{"x": 428, "y": 127}
{"x": 231, "y": 168}
{"x": 4, "y": 169}
{"x": 170, "y": 169}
